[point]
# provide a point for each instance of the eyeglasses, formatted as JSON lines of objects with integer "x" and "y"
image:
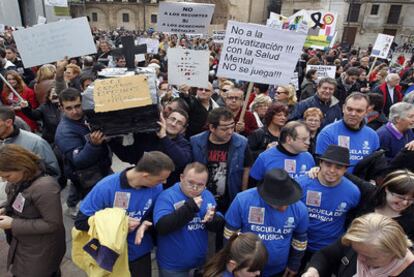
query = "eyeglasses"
{"x": 313, "y": 120}
{"x": 194, "y": 186}
{"x": 174, "y": 120}
{"x": 233, "y": 98}
{"x": 204, "y": 89}
{"x": 402, "y": 198}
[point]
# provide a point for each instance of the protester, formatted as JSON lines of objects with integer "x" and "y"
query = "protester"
{"x": 324, "y": 100}
{"x": 290, "y": 153}
{"x": 87, "y": 158}
{"x": 308, "y": 87}
{"x": 350, "y": 132}
{"x": 45, "y": 77}
{"x": 244, "y": 255}
{"x": 375, "y": 118}
{"x": 32, "y": 215}
{"x": 390, "y": 91}
{"x": 234, "y": 102}
{"x": 347, "y": 84}
{"x": 273, "y": 212}
{"x": 12, "y": 56}
{"x": 11, "y": 134}
{"x": 287, "y": 95}
{"x": 393, "y": 198}
{"x": 268, "y": 135}
{"x": 313, "y": 118}
{"x": 183, "y": 215}
{"x": 329, "y": 198}
{"x": 135, "y": 190}
{"x": 374, "y": 245}
{"x": 169, "y": 140}
{"x": 394, "y": 135}
{"x": 9, "y": 98}
{"x": 199, "y": 107}
{"x": 259, "y": 107}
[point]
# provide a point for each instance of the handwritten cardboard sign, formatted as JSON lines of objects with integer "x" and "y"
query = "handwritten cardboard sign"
{"x": 121, "y": 93}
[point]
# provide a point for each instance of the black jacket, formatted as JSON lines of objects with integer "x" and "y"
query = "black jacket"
{"x": 49, "y": 114}
{"x": 341, "y": 93}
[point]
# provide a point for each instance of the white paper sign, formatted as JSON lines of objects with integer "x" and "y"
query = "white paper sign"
{"x": 184, "y": 18}
{"x": 189, "y": 67}
{"x": 382, "y": 46}
{"x": 260, "y": 54}
{"x": 323, "y": 70}
{"x": 51, "y": 42}
{"x": 152, "y": 44}
{"x": 2, "y": 28}
{"x": 218, "y": 36}
{"x": 294, "y": 80}
{"x": 57, "y": 3}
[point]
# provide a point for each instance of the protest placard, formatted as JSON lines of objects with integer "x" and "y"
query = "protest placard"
{"x": 152, "y": 44}
{"x": 382, "y": 46}
{"x": 323, "y": 71}
{"x": 254, "y": 53}
{"x": 188, "y": 67}
{"x": 218, "y": 36}
{"x": 121, "y": 93}
{"x": 52, "y": 42}
{"x": 294, "y": 80}
{"x": 56, "y": 3}
{"x": 184, "y": 18}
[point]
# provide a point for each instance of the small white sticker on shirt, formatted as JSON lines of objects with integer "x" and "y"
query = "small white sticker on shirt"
{"x": 122, "y": 199}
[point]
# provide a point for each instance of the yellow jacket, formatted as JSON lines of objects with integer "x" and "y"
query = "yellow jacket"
{"x": 103, "y": 250}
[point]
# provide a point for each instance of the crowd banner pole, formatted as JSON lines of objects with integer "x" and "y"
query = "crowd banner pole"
{"x": 246, "y": 101}
{"x": 11, "y": 88}
{"x": 372, "y": 66}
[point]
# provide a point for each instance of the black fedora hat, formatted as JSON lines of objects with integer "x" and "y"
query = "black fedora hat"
{"x": 279, "y": 189}
{"x": 336, "y": 154}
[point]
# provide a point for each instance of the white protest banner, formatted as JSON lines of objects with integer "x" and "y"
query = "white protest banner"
{"x": 51, "y": 42}
{"x": 184, "y": 18}
{"x": 188, "y": 67}
{"x": 57, "y": 3}
{"x": 323, "y": 70}
{"x": 382, "y": 46}
{"x": 152, "y": 44}
{"x": 218, "y": 36}
{"x": 253, "y": 53}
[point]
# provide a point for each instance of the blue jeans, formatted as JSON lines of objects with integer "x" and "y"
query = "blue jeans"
{"x": 173, "y": 273}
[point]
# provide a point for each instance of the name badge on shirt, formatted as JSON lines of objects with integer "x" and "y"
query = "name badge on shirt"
{"x": 313, "y": 198}
{"x": 122, "y": 199}
{"x": 179, "y": 204}
{"x": 256, "y": 215}
{"x": 290, "y": 166}
{"x": 344, "y": 141}
{"x": 18, "y": 203}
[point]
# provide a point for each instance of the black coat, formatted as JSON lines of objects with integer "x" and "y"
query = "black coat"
{"x": 341, "y": 93}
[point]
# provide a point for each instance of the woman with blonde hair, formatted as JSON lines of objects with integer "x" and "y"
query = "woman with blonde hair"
{"x": 243, "y": 256}
{"x": 44, "y": 81}
{"x": 374, "y": 246}
{"x": 259, "y": 107}
{"x": 32, "y": 215}
{"x": 287, "y": 95}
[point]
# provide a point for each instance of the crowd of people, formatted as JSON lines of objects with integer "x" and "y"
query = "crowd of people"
{"x": 308, "y": 180}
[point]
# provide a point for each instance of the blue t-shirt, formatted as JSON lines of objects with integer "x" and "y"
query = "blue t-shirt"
{"x": 109, "y": 193}
{"x": 295, "y": 165}
{"x": 327, "y": 208}
{"x": 250, "y": 213}
{"x": 185, "y": 248}
{"x": 360, "y": 143}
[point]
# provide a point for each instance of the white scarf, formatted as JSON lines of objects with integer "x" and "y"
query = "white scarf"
{"x": 392, "y": 269}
